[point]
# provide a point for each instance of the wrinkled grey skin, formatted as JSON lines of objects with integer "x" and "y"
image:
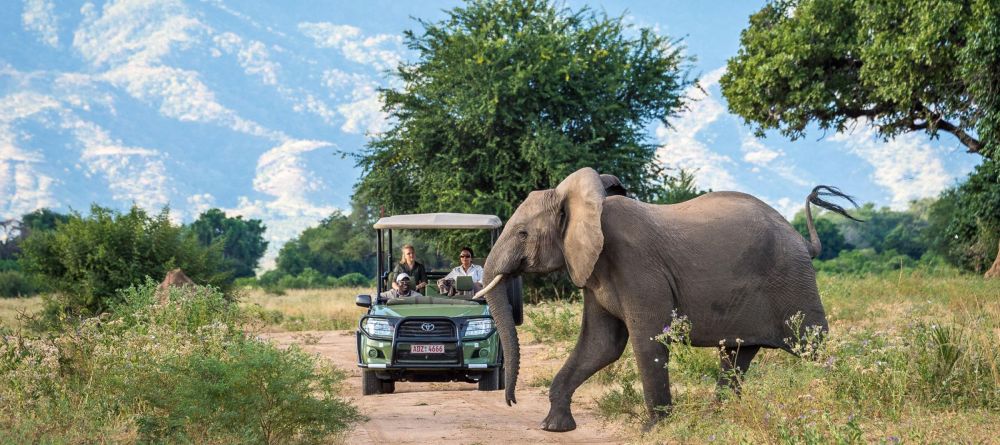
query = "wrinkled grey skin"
{"x": 729, "y": 262}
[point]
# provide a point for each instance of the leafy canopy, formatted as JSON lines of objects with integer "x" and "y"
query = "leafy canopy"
{"x": 242, "y": 240}
{"x": 965, "y": 221}
{"x": 88, "y": 258}
{"x": 511, "y": 96}
{"x": 900, "y": 66}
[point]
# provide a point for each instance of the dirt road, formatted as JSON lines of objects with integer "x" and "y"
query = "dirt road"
{"x": 453, "y": 413}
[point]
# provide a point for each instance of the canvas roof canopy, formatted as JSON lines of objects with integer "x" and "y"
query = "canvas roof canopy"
{"x": 439, "y": 221}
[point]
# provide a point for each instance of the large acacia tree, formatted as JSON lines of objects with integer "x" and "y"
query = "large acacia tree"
{"x": 902, "y": 66}
{"x": 510, "y": 96}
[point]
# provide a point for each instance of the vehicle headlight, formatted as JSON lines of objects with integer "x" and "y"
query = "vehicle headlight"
{"x": 379, "y": 327}
{"x": 478, "y": 327}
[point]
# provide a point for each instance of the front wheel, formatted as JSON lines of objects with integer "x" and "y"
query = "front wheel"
{"x": 371, "y": 384}
{"x": 490, "y": 381}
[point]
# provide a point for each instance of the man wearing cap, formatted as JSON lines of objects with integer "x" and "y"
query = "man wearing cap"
{"x": 402, "y": 291}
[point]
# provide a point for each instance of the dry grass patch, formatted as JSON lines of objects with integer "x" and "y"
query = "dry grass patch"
{"x": 12, "y": 308}
{"x": 306, "y": 309}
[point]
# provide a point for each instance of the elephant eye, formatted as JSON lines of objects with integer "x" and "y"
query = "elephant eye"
{"x": 523, "y": 234}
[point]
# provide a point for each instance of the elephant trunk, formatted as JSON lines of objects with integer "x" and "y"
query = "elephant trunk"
{"x": 503, "y": 318}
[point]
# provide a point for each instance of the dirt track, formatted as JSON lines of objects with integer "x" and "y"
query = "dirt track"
{"x": 452, "y": 413}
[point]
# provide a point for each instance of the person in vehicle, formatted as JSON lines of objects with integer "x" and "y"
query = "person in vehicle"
{"x": 402, "y": 289}
{"x": 409, "y": 265}
{"x": 447, "y": 284}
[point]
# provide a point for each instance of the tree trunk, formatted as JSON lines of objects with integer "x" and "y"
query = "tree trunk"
{"x": 994, "y": 271}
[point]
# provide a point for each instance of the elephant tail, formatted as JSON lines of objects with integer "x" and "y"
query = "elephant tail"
{"x": 815, "y": 247}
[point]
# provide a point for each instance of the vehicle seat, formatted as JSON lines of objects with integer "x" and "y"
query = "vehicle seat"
{"x": 463, "y": 284}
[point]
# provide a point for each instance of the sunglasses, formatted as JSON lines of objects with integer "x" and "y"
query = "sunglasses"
{"x": 465, "y": 256}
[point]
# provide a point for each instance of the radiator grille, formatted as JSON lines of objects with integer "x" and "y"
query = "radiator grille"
{"x": 426, "y": 329}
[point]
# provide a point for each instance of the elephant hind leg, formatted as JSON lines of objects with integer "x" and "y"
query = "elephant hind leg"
{"x": 735, "y": 363}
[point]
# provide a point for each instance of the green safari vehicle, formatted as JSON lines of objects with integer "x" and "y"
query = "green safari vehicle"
{"x": 433, "y": 338}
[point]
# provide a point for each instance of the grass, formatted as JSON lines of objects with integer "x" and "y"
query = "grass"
{"x": 306, "y": 309}
{"x": 910, "y": 358}
{"x": 12, "y": 308}
{"x": 180, "y": 371}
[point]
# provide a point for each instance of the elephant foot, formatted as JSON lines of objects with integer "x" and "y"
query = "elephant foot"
{"x": 559, "y": 422}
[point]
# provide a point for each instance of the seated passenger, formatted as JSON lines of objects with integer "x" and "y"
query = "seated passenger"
{"x": 446, "y": 285}
{"x": 402, "y": 289}
{"x": 408, "y": 264}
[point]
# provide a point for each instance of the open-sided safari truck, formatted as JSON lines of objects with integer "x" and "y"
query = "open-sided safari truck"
{"x": 434, "y": 338}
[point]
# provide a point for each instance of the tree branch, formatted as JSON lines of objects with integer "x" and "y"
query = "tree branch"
{"x": 973, "y": 144}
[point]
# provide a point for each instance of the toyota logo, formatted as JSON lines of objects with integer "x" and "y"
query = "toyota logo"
{"x": 427, "y": 327}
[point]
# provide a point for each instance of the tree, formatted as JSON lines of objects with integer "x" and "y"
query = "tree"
{"x": 242, "y": 240}
{"x": 88, "y": 259}
{"x": 827, "y": 227}
{"x": 899, "y": 66}
{"x": 339, "y": 245}
{"x": 674, "y": 189}
{"x": 965, "y": 221}
{"x": 511, "y": 96}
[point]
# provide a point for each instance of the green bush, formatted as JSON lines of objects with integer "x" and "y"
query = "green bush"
{"x": 252, "y": 392}
{"x": 14, "y": 283}
{"x": 353, "y": 279}
{"x": 89, "y": 258}
{"x": 276, "y": 281}
{"x": 555, "y": 322}
{"x": 181, "y": 370}
{"x": 868, "y": 262}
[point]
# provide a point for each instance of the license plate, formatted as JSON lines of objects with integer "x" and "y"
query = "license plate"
{"x": 427, "y": 349}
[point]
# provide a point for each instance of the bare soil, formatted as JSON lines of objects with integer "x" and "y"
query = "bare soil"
{"x": 454, "y": 413}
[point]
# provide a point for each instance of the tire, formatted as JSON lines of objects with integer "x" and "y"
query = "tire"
{"x": 502, "y": 378}
{"x": 515, "y": 297}
{"x": 490, "y": 381}
{"x": 388, "y": 386}
{"x": 370, "y": 384}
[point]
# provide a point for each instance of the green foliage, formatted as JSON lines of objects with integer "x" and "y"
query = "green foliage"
{"x": 826, "y": 224}
{"x": 14, "y": 283}
{"x": 88, "y": 258}
{"x": 178, "y": 371}
{"x": 242, "y": 240}
{"x": 965, "y": 221}
{"x": 511, "y": 96}
{"x": 674, "y": 189}
{"x": 339, "y": 245}
{"x": 900, "y": 66}
{"x": 867, "y": 261}
{"x": 250, "y": 392}
{"x": 554, "y": 321}
{"x": 275, "y": 281}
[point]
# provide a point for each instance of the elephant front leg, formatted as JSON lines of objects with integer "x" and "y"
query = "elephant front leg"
{"x": 602, "y": 340}
{"x": 651, "y": 358}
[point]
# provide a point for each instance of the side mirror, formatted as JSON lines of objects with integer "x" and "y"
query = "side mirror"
{"x": 363, "y": 300}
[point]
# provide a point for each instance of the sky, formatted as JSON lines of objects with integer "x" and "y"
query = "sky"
{"x": 255, "y": 107}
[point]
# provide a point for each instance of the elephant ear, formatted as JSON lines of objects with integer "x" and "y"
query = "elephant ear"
{"x": 582, "y": 199}
{"x": 613, "y": 186}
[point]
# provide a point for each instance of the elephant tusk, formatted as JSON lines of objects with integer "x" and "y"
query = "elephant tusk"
{"x": 489, "y": 287}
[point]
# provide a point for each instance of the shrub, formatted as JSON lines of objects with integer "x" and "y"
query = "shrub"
{"x": 251, "y": 392}
{"x": 88, "y": 258}
{"x": 354, "y": 279}
{"x": 14, "y": 283}
{"x": 183, "y": 371}
{"x": 555, "y": 322}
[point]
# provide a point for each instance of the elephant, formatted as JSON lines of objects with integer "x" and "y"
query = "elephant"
{"x": 729, "y": 262}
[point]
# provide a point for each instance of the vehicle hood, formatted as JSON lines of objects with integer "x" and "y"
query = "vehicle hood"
{"x": 430, "y": 310}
